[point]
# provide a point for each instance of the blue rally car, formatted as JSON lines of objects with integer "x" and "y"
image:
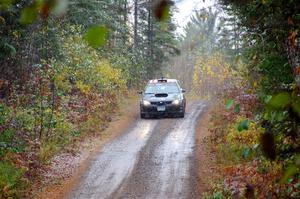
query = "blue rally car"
{"x": 162, "y": 97}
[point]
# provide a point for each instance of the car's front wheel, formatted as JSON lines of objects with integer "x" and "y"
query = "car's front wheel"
{"x": 181, "y": 115}
{"x": 142, "y": 115}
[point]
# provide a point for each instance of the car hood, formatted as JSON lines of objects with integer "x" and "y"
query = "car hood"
{"x": 162, "y": 97}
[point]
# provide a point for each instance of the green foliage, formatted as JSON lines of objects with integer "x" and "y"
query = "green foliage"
{"x": 11, "y": 180}
{"x": 96, "y": 36}
{"x": 6, "y": 139}
{"x": 6, "y": 49}
{"x": 243, "y": 125}
{"x": 218, "y": 191}
{"x": 215, "y": 195}
{"x": 29, "y": 15}
{"x": 5, "y": 4}
{"x": 86, "y": 68}
{"x": 270, "y": 68}
{"x": 9, "y": 125}
{"x": 237, "y": 108}
{"x": 290, "y": 171}
{"x": 296, "y": 107}
{"x": 244, "y": 139}
{"x": 282, "y": 115}
{"x": 5, "y": 113}
{"x": 63, "y": 131}
{"x": 229, "y": 104}
{"x": 280, "y": 101}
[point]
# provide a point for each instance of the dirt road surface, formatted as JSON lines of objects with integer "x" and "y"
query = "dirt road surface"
{"x": 151, "y": 160}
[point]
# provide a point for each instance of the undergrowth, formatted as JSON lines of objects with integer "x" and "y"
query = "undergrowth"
{"x": 60, "y": 103}
{"x": 247, "y": 169}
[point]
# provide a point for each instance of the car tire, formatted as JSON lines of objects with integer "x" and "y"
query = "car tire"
{"x": 142, "y": 115}
{"x": 181, "y": 115}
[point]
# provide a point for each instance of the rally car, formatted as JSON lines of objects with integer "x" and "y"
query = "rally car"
{"x": 162, "y": 97}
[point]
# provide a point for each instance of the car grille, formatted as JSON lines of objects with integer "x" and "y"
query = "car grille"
{"x": 161, "y": 103}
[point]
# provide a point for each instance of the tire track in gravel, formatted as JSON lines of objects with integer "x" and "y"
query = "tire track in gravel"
{"x": 114, "y": 163}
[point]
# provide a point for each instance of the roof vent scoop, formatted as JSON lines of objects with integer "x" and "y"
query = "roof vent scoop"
{"x": 161, "y": 95}
{"x": 162, "y": 79}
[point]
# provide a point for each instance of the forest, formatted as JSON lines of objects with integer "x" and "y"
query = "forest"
{"x": 66, "y": 66}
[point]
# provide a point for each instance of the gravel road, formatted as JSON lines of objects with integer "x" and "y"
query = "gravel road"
{"x": 153, "y": 160}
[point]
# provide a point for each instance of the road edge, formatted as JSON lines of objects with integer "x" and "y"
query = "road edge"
{"x": 205, "y": 159}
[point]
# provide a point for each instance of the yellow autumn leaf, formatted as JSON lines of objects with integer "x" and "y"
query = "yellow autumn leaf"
{"x": 264, "y": 1}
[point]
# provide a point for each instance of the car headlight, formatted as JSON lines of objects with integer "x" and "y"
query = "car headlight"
{"x": 176, "y": 102}
{"x": 146, "y": 103}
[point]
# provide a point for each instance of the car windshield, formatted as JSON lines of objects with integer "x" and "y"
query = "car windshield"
{"x": 161, "y": 88}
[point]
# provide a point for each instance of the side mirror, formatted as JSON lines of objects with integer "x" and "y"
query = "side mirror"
{"x": 140, "y": 92}
{"x": 183, "y": 90}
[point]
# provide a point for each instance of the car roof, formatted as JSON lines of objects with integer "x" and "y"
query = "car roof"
{"x": 162, "y": 80}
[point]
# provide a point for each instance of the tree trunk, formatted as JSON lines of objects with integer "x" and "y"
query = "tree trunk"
{"x": 125, "y": 12}
{"x": 125, "y": 20}
{"x": 293, "y": 54}
{"x": 150, "y": 31}
{"x": 135, "y": 37}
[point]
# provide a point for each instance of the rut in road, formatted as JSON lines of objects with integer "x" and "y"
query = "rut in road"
{"x": 152, "y": 160}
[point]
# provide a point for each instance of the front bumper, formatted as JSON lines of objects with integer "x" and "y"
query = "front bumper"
{"x": 162, "y": 109}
